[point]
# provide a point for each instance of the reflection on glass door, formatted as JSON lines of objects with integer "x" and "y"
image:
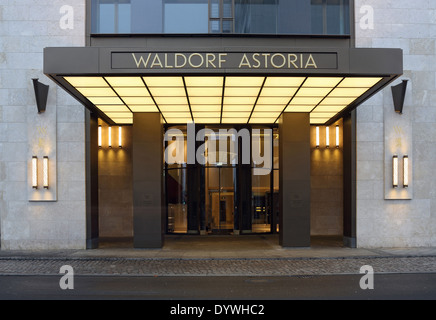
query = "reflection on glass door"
{"x": 220, "y": 198}
{"x": 177, "y": 201}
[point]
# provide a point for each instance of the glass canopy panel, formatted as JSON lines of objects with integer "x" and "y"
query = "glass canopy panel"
{"x": 138, "y": 100}
{"x": 329, "y": 108}
{"x": 321, "y": 82}
{"x": 93, "y": 82}
{"x": 165, "y": 92}
{"x": 311, "y": 101}
{"x": 239, "y": 107}
{"x": 348, "y": 92}
{"x": 263, "y": 120}
{"x": 204, "y": 81}
{"x": 240, "y": 100}
{"x": 112, "y": 108}
{"x": 105, "y": 100}
{"x": 207, "y": 120}
{"x": 254, "y": 99}
{"x": 284, "y": 82}
{"x": 232, "y": 114}
{"x": 132, "y": 91}
{"x": 278, "y": 92}
{"x": 206, "y": 114}
{"x": 268, "y": 107}
{"x": 97, "y": 92}
{"x": 244, "y": 81}
{"x": 178, "y": 120}
{"x": 205, "y": 100}
{"x": 177, "y": 114}
{"x": 283, "y": 101}
{"x": 313, "y": 92}
{"x": 174, "y": 108}
{"x": 359, "y": 82}
{"x": 298, "y": 108}
{"x": 150, "y": 108}
{"x": 205, "y": 91}
{"x": 234, "y": 120}
{"x": 164, "y": 81}
{"x": 201, "y": 107}
{"x": 125, "y": 81}
{"x": 171, "y": 100}
{"x": 241, "y": 91}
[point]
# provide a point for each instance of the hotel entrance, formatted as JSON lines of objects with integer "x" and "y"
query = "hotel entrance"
{"x": 270, "y": 94}
{"x": 227, "y": 190}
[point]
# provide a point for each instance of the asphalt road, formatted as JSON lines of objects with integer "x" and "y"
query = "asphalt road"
{"x": 334, "y": 287}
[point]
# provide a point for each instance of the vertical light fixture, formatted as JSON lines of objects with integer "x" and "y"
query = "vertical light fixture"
{"x": 327, "y": 137}
{"x": 120, "y": 137}
{"x": 395, "y": 171}
{"x": 110, "y": 137}
{"x": 45, "y": 172}
{"x": 406, "y": 171}
{"x": 337, "y": 136}
{"x": 317, "y": 137}
{"x": 99, "y": 136}
{"x": 35, "y": 172}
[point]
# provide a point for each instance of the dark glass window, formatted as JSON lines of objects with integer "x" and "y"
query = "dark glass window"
{"x": 185, "y": 16}
{"x": 113, "y": 16}
{"x": 289, "y": 17}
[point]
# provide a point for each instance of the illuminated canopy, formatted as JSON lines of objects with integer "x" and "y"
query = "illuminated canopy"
{"x": 214, "y": 100}
{"x": 224, "y": 96}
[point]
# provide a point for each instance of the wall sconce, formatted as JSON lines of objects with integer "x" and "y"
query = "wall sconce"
{"x": 405, "y": 171}
{"x": 398, "y": 95}
{"x": 35, "y": 172}
{"x": 45, "y": 172}
{"x": 120, "y": 137}
{"x": 99, "y": 136}
{"x": 317, "y": 137}
{"x": 395, "y": 171}
{"x": 337, "y": 136}
{"x": 327, "y": 137}
{"x": 41, "y": 94}
{"x": 110, "y": 137}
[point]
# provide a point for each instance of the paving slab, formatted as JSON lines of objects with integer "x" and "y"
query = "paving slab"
{"x": 220, "y": 256}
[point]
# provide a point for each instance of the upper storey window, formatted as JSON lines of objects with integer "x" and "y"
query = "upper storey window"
{"x": 274, "y": 17}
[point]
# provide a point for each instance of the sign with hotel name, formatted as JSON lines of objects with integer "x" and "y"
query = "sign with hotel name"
{"x": 223, "y": 60}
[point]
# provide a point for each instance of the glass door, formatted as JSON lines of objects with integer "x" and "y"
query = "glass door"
{"x": 220, "y": 200}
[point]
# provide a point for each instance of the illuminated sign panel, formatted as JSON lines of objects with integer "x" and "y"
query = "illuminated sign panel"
{"x": 223, "y": 60}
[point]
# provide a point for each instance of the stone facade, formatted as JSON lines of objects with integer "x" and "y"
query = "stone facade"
{"x": 326, "y": 179}
{"x": 410, "y": 25}
{"x": 26, "y": 27}
{"x": 115, "y": 187}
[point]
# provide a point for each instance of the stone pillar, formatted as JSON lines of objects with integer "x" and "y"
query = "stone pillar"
{"x": 349, "y": 134}
{"x": 294, "y": 131}
{"x": 148, "y": 218}
{"x": 92, "y": 222}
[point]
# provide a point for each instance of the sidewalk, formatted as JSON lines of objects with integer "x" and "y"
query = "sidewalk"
{"x": 220, "y": 256}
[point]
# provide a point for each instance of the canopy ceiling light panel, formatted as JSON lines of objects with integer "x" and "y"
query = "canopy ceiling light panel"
{"x": 221, "y": 99}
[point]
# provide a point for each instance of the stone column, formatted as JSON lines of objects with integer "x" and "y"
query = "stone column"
{"x": 148, "y": 218}
{"x": 349, "y": 134}
{"x": 294, "y": 131}
{"x": 92, "y": 221}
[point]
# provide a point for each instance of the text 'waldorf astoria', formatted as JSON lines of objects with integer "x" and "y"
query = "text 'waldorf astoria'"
{"x": 222, "y": 60}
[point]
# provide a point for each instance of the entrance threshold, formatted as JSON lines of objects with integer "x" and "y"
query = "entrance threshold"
{"x": 196, "y": 244}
